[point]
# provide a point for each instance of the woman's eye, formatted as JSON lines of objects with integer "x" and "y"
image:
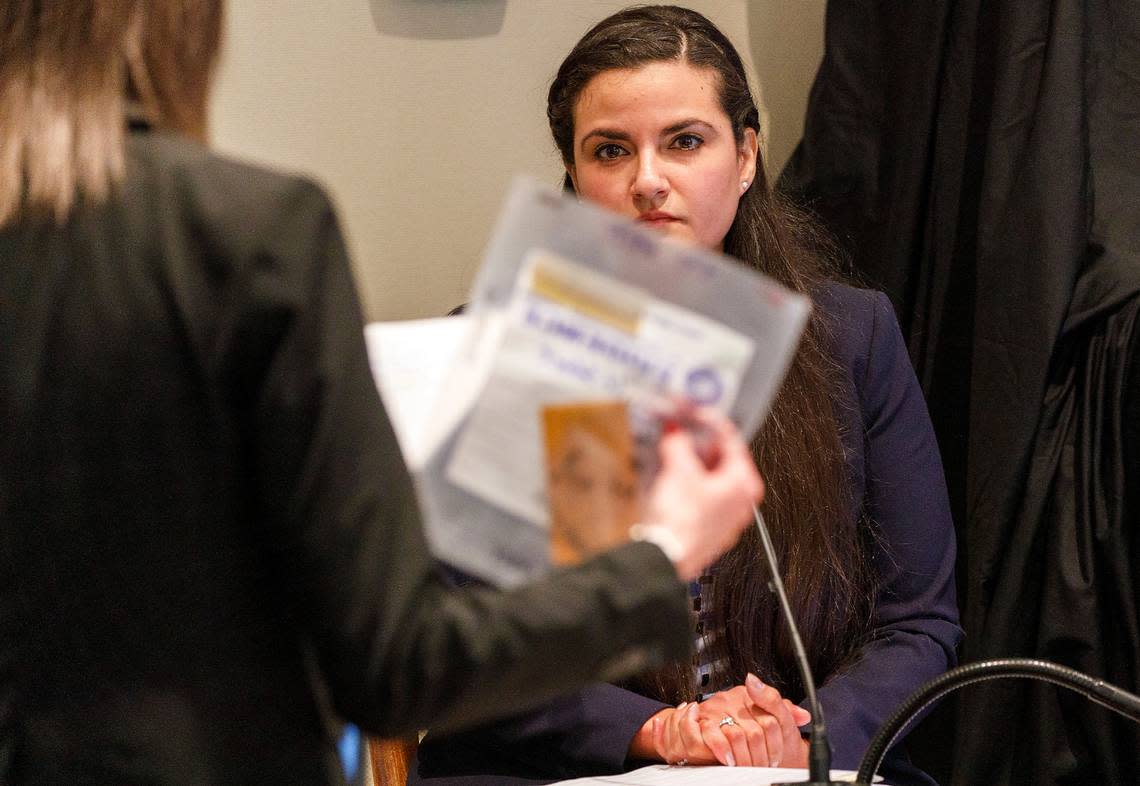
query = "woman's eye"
{"x": 688, "y": 142}
{"x": 608, "y": 151}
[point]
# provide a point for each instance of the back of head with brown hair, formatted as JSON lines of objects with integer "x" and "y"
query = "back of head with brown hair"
{"x": 67, "y": 72}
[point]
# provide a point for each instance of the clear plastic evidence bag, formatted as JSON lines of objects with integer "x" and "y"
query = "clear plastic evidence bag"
{"x": 585, "y": 331}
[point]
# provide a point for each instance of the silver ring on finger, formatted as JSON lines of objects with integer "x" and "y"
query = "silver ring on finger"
{"x": 727, "y": 720}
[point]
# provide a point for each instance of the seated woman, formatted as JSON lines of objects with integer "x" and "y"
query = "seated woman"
{"x": 654, "y": 120}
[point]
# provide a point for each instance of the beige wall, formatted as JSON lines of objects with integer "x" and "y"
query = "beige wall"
{"x": 786, "y": 42}
{"x": 415, "y": 114}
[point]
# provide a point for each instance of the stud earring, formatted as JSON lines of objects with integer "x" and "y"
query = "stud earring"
{"x": 743, "y": 185}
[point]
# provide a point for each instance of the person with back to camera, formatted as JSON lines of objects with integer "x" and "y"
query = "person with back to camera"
{"x": 654, "y": 119}
{"x": 210, "y": 546}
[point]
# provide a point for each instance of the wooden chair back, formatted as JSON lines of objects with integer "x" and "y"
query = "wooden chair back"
{"x": 390, "y": 760}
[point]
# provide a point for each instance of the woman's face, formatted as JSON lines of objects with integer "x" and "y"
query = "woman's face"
{"x": 652, "y": 143}
{"x": 593, "y": 497}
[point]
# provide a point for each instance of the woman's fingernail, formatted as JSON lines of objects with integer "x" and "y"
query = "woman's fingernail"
{"x": 754, "y": 681}
{"x": 731, "y": 759}
{"x": 682, "y": 705}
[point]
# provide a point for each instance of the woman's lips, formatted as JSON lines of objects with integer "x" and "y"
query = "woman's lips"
{"x": 657, "y": 218}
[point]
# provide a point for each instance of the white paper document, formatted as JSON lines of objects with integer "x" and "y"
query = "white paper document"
{"x": 664, "y": 775}
{"x": 410, "y": 362}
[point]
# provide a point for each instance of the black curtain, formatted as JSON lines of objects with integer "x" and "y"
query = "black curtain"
{"x": 980, "y": 159}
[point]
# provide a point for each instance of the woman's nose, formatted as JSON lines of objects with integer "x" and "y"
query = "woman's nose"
{"x": 650, "y": 187}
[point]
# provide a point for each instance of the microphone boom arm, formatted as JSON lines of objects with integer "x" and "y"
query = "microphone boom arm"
{"x": 1096, "y": 690}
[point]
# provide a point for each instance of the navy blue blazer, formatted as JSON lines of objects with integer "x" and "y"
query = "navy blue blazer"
{"x": 897, "y": 475}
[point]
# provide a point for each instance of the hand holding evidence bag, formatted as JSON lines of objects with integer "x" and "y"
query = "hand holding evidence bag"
{"x": 577, "y": 308}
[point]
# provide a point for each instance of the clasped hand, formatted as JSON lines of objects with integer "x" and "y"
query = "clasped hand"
{"x": 763, "y": 730}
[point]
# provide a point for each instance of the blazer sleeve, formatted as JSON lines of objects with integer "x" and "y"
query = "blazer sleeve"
{"x": 915, "y": 627}
{"x": 397, "y": 649}
{"x": 587, "y": 733}
{"x": 584, "y": 733}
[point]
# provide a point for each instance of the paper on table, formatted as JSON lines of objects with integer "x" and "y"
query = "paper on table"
{"x": 410, "y": 362}
{"x": 664, "y": 775}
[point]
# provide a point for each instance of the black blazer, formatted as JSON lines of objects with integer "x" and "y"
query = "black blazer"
{"x": 209, "y": 544}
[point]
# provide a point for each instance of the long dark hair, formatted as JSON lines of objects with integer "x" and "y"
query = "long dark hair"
{"x": 815, "y": 523}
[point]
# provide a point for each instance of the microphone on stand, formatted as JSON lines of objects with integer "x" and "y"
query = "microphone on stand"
{"x": 819, "y": 750}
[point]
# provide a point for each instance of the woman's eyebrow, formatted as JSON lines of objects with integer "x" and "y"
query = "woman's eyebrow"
{"x": 688, "y": 123}
{"x": 608, "y": 133}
